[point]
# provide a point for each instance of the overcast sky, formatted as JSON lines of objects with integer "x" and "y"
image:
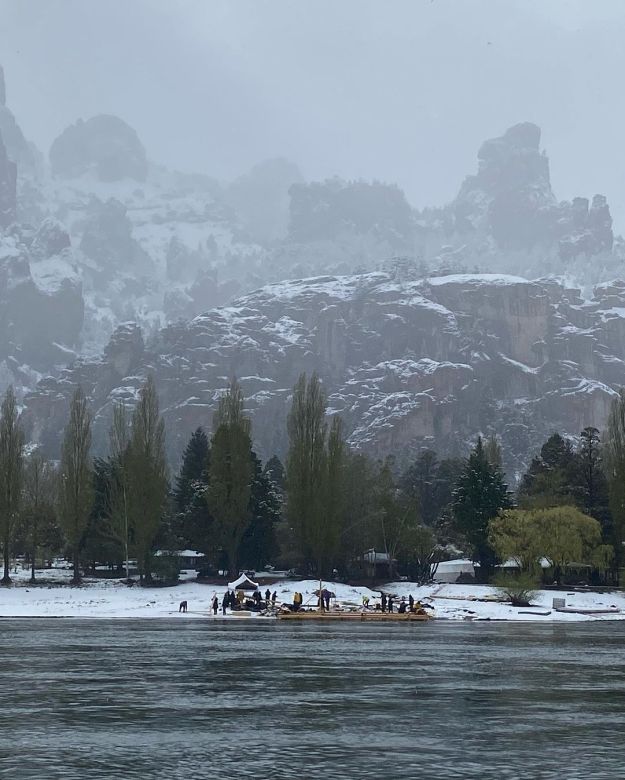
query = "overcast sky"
{"x": 399, "y": 90}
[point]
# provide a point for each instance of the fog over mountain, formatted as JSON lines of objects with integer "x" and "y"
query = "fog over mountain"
{"x": 415, "y": 203}
{"x": 401, "y": 92}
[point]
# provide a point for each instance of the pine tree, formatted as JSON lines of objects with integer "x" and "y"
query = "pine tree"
{"x": 11, "y": 475}
{"x": 194, "y": 523}
{"x": 480, "y": 494}
{"x": 76, "y": 488}
{"x": 230, "y": 474}
{"x": 147, "y": 476}
{"x": 591, "y": 486}
{"x": 259, "y": 546}
{"x": 549, "y": 479}
{"x": 419, "y": 482}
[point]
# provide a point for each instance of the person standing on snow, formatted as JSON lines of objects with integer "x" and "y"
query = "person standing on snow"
{"x": 384, "y": 602}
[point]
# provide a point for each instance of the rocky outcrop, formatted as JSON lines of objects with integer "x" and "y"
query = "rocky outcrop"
{"x": 407, "y": 364}
{"x": 104, "y": 145}
{"x": 8, "y": 188}
{"x": 510, "y": 198}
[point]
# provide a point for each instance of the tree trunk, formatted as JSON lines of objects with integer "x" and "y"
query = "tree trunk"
{"x": 6, "y": 579}
{"x": 76, "y": 577}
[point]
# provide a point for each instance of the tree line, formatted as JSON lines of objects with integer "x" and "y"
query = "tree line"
{"x": 317, "y": 513}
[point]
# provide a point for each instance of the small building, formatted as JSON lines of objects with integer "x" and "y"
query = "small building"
{"x": 451, "y": 571}
{"x": 189, "y": 559}
{"x": 375, "y": 565}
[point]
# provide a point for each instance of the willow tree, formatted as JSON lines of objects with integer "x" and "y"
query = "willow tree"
{"x": 11, "y": 475}
{"x": 76, "y": 488}
{"x": 146, "y": 476}
{"x": 230, "y": 473}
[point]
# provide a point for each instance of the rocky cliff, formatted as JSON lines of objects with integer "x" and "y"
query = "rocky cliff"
{"x": 406, "y": 364}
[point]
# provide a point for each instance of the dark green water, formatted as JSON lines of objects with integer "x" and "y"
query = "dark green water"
{"x": 164, "y": 699}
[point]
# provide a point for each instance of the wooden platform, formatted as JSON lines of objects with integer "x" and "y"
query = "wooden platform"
{"x": 362, "y": 617}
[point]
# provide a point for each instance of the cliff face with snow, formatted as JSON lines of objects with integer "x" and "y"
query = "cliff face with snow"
{"x": 112, "y": 267}
{"x": 406, "y": 364}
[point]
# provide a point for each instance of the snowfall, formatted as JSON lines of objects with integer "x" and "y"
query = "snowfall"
{"x": 53, "y": 597}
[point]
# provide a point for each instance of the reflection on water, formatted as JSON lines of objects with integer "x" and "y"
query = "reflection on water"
{"x": 164, "y": 699}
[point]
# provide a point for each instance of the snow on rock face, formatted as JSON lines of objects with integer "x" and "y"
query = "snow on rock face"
{"x": 103, "y": 144}
{"x": 8, "y": 187}
{"x": 406, "y": 365}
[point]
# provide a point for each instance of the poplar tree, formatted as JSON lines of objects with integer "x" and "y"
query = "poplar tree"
{"x": 38, "y": 509}
{"x": 11, "y": 475}
{"x": 230, "y": 473}
{"x": 76, "y": 488}
{"x": 147, "y": 475}
{"x": 119, "y": 440}
{"x": 305, "y": 466}
{"x": 614, "y": 466}
{"x": 315, "y": 476}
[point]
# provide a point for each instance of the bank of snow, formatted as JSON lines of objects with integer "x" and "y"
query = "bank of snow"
{"x": 113, "y": 599}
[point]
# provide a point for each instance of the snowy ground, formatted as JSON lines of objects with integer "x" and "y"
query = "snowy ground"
{"x": 113, "y": 599}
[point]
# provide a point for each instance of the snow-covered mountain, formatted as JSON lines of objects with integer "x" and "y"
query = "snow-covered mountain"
{"x": 112, "y": 266}
{"x": 406, "y": 363}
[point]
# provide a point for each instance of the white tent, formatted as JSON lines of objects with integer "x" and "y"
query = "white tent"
{"x": 243, "y": 583}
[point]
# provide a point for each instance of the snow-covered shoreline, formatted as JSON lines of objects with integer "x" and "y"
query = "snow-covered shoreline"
{"x": 100, "y": 598}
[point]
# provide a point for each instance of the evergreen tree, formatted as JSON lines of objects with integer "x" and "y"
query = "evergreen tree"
{"x": 275, "y": 471}
{"x": 419, "y": 482}
{"x": 11, "y": 475}
{"x": 76, "y": 488}
{"x": 480, "y": 495}
{"x": 101, "y": 542}
{"x": 231, "y": 474}
{"x": 549, "y": 479}
{"x": 194, "y": 524}
{"x": 591, "y": 486}
{"x": 147, "y": 476}
{"x": 259, "y": 545}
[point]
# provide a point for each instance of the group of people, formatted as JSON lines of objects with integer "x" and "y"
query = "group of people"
{"x": 237, "y": 600}
{"x": 387, "y": 604}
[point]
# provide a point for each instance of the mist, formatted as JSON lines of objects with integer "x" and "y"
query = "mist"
{"x": 402, "y": 92}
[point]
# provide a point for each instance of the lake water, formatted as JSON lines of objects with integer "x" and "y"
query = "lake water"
{"x": 194, "y": 699}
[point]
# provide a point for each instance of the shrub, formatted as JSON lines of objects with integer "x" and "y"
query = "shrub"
{"x": 519, "y": 589}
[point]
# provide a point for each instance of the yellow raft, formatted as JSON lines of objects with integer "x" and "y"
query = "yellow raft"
{"x": 363, "y": 617}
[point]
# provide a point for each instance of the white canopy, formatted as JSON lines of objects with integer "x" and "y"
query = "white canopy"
{"x": 243, "y": 583}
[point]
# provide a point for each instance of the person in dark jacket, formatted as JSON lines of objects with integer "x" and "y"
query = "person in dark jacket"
{"x": 274, "y": 596}
{"x": 225, "y": 602}
{"x": 384, "y": 602}
{"x": 390, "y": 603}
{"x": 411, "y": 603}
{"x": 215, "y": 604}
{"x": 402, "y": 606}
{"x": 267, "y": 596}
